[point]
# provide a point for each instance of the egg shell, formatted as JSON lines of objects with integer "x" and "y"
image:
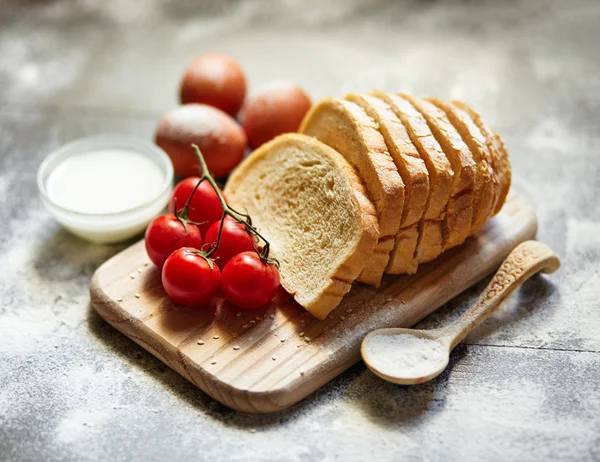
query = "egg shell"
{"x": 220, "y": 138}
{"x": 215, "y": 79}
{"x": 277, "y": 108}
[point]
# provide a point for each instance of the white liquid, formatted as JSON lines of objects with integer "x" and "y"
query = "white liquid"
{"x": 105, "y": 181}
{"x": 406, "y": 356}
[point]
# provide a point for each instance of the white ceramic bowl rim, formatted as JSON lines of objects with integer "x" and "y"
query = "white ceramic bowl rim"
{"x": 80, "y": 145}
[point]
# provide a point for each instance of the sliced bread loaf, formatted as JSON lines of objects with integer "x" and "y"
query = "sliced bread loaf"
{"x": 441, "y": 176}
{"x": 345, "y": 127}
{"x": 414, "y": 174}
{"x": 310, "y": 204}
{"x": 459, "y": 211}
{"x": 499, "y": 155}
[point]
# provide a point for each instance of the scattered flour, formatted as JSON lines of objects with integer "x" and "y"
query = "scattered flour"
{"x": 501, "y": 403}
{"x": 406, "y": 356}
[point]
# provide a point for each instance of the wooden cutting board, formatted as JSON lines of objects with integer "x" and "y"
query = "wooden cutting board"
{"x": 268, "y": 359}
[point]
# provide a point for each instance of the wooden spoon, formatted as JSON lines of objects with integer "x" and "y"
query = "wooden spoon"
{"x": 411, "y": 356}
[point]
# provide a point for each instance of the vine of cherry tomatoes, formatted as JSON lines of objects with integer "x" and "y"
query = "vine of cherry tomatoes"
{"x": 206, "y": 244}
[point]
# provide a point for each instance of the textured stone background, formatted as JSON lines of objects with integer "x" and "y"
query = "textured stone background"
{"x": 525, "y": 386}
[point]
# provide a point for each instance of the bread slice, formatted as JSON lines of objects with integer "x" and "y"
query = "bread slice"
{"x": 307, "y": 200}
{"x": 414, "y": 174}
{"x": 349, "y": 130}
{"x": 486, "y": 184}
{"x": 429, "y": 245}
{"x": 499, "y": 155}
{"x": 459, "y": 211}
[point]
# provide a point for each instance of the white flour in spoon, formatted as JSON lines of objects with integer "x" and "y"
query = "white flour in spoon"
{"x": 406, "y": 356}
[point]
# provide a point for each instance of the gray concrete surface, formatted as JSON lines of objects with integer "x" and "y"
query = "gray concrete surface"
{"x": 525, "y": 386}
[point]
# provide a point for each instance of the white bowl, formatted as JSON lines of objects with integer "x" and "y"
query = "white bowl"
{"x": 107, "y": 227}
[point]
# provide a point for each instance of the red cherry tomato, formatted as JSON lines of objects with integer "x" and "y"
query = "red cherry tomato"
{"x": 205, "y": 206}
{"x": 277, "y": 108}
{"x": 189, "y": 279}
{"x": 215, "y": 79}
{"x": 220, "y": 138}
{"x": 248, "y": 282}
{"x": 234, "y": 239}
{"x": 165, "y": 234}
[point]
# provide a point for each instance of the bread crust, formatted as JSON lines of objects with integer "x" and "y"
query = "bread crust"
{"x": 414, "y": 173}
{"x": 505, "y": 171}
{"x": 332, "y": 292}
{"x": 486, "y": 187}
{"x": 459, "y": 211}
{"x": 346, "y": 127}
{"x": 441, "y": 175}
{"x": 499, "y": 155}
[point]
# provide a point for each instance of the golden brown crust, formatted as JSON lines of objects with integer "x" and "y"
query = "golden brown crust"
{"x": 406, "y": 157}
{"x": 505, "y": 172}
{"x": 486, "y": 185}
{"x": 429, "y": 244}
{"x": 402, "y": 260}
{"x": 345, "y": 127}
{"x": 440, "y": 174}
{"x": 500, "y": 161}
{"x": 414, "y": 173}
{"x": 459, "y": 211}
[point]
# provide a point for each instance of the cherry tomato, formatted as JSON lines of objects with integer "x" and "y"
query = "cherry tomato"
{"x": 248, "y": 282}
{"x": 277, "y": 108}
{"x": 220, "y": 138}
{"x": 189, "y": 279}
{"x": 234, "y": 239}
{"x": 205, "y": 207}
{"x": 165, "y": 234}
{"x": 214, "y": 79}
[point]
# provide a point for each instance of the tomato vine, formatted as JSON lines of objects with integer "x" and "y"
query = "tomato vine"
{"x": 239, "y": 217}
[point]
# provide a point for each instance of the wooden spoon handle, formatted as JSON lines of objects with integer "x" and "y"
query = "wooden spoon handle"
{"x": 523, "y": 262}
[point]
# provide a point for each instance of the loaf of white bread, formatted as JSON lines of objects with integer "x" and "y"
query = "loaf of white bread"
{"x": 372, "y": 184}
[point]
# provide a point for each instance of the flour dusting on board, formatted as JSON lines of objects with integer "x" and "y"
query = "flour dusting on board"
{"x": 406, "y": 356}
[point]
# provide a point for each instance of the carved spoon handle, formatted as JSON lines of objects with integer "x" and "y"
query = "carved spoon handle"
{"x": 523, "y": 262}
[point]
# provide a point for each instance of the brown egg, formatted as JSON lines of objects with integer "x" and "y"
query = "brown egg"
{"x": 219, "y": 137}
{"x": 277, "y": 108}
{"x": 214, "y": 79}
